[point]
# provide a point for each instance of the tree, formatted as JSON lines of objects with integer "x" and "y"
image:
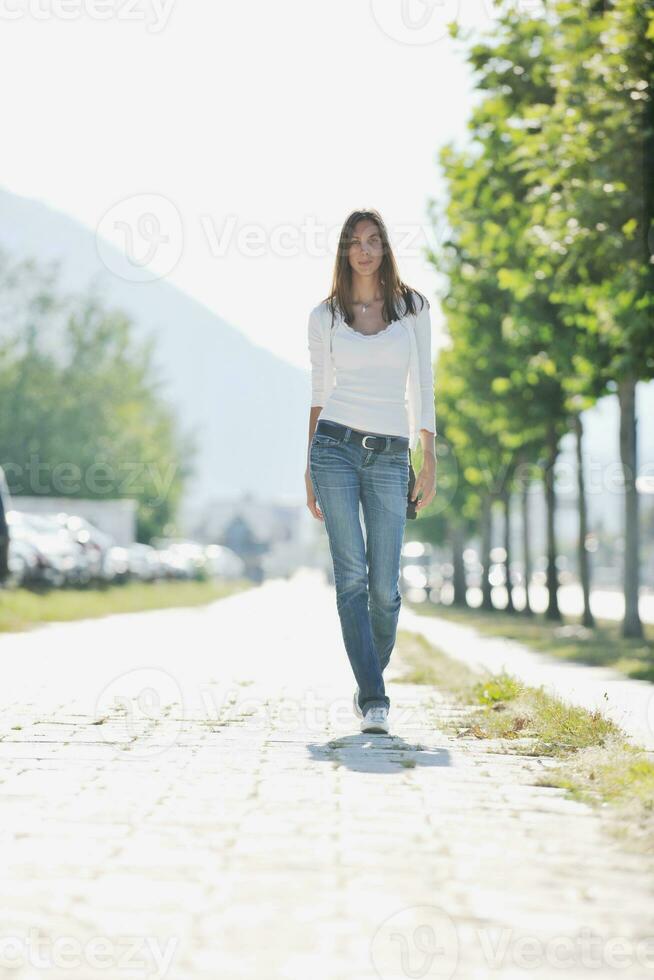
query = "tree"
{"x": 80, "y": 410}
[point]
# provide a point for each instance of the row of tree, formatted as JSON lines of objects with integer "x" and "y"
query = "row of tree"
{"x": 81, "y": 414}
{"x": 549, "y": 269}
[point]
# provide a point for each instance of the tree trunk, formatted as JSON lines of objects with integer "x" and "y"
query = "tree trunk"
{"x": 506, "y": 500}
{"x": 631, "y": 624}
{"x": 552, "y": 611}
{"x": 459, "y": 575}
{"x": 486, "y": 517}
{"x": 526, "y": 546}
{"x": 582, "y": 554}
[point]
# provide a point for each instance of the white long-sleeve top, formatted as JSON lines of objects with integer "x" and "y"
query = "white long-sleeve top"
{"x": 375, "y": 382}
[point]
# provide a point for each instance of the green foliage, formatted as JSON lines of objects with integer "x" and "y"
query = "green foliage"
{"x": 546, "y": 256}
{"x": 80, "y": 410}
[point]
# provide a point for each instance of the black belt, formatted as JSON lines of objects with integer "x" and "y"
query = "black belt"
{"x": 368, "y": 440}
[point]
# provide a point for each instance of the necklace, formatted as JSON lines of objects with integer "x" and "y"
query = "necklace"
{"x": 366, "y": 306}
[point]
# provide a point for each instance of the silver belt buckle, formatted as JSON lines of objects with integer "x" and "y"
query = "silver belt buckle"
{"x": 363, "y": 441}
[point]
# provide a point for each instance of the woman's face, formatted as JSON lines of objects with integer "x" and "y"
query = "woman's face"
{"x": 366, "y": 250}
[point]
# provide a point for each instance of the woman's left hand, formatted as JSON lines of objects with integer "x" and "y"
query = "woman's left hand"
{"x": 425, "y": 482}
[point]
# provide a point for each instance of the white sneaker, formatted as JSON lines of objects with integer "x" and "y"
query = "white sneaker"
{"x": 355, "y": 704}
{"x": 375, "y": 719}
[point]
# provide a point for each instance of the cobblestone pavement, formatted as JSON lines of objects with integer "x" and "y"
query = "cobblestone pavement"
{"x": 186, "y": 794}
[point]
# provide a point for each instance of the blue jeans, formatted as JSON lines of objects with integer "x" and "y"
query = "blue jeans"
{"x": 346, "y": 475}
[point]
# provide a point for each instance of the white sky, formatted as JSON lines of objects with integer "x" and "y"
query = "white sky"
{"x": 272, "y": 115}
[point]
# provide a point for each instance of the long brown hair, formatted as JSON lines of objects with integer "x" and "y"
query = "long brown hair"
{"x": 398, "y": 296}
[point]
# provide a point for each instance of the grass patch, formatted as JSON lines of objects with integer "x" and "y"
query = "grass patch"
{"x": 597, "y": 764}
{"x": 553, "y": 727}
{"x": 425, "y": 664}
{"x": 22, "y": 609}
{"x": 499, "y": 687}
{"x": 618, "y": 774}
{"x": 506, "y": 708}
{"x": 602, "y": 646}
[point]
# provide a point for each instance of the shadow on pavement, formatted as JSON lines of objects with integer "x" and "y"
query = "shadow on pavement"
{"x": 367, "y": 752}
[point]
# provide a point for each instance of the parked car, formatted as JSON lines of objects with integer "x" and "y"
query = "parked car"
{"x": 144, "y": 561}
{"x": 5, "y": 505}
{"x": 93, "y": 543}
{"x": 23, "y": 561}
{"x": 58, "y": 560}
{"x": 66, "y": 549}
{"x": 182, "y": 558}
{"x": 116, "y": 566}
{"x": 222, "y": 562}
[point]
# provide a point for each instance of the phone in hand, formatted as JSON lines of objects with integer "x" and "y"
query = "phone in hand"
{"x": 411, "y": 511}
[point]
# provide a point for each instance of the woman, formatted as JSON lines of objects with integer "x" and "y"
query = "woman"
{"x": 373, "y": 334}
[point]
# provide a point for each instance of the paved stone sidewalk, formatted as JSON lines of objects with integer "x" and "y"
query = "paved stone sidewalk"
{"x": 186, "y": 794}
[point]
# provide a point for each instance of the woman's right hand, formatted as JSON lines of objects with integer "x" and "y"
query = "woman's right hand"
{"x": 312, "y": 503}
